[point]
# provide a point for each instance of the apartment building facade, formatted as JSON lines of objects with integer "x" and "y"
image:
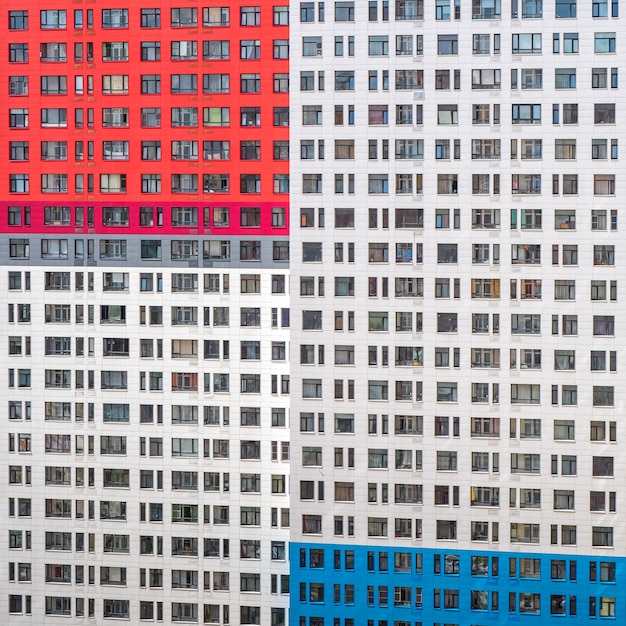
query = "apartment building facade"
{"x": 417, "y": 423}
{"x": 146, "y": 313}
{"x": 455, "y": 331}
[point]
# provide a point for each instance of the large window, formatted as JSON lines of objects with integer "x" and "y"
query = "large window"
{"x": 50, "y": 19}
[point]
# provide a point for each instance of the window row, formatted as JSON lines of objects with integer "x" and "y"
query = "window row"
{"x": 480, "y": 323}
{"x": 151, "y": 249}
{"x": 120, "y": 413}
{"x": 150, "y": 84}
{"x": 120, "y": 479}
{"x": 520, "y": 463}
{"x": 448, "y": 253}
{"x": 122, "y": 347}
{"x": 152, "y": 578}
{"x": 443, "y": 357}
{"x": 448, "y": 530}
{"x": 450, "y": 564}
{"x": 213, "y": 415}
{"x": 118, "y": 117}
{"x": 448, "y": 114}
{"x": 185, "y": 216}
{"x": 185, "y": 150}
{"x": 413, "y": 10}
{"x": 180, "y": 283}
{"x": 448, "y": 184}
{"x": 404, "y": 218}
{"x": 177, "y": 17}
{"x": 149, "y": 544}
{"x": 485, "y": 44}
{"x": 480, "y": 288}
{"x": 148, "y": 381}
{"x": 147, "y": 610}
{"x": 250, "y": 217}
{"x": 448, "y": 392}
{"x": 152, "y": 315}
{"x": 446, "y": 149}
{"x": 182, "y": 50}
{"x": 413, "y": 425}
{"x": 150, "y": 183}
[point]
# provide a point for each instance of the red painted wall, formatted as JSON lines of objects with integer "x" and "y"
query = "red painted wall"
{"x": 266, "y": 133}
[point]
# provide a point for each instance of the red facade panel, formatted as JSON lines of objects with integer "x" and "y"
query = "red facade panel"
{"x": 82, "y": 125}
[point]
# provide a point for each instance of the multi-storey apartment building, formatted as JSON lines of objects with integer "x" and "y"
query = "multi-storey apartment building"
{"x": 455, "y": 331}
{"x": 453, "y": 342}
{"x": 145, "y": 324}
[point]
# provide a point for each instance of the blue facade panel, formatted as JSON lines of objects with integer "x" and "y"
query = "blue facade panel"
{"x": 356, "y": 585}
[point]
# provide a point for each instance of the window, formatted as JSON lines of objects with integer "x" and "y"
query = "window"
{"x": 150, "y": 18}
{"x": 51, "y": 19}
{"x": 378, "y": 45}
{"x": 54, "y": 183}
{"x": 184, "y": 50}
{"x": 604, "y": 184}
{"x": 184, "y": 17}
{"x": 409, "y": 149}
{"x": 344, "y": 80}
{"x": 250, "y": 116}
{"x": 215, "y": 16}
{"x": 184, "y": 83}
{"x": 485, "y": 149}
{"x": 485, "y": 9}
{"x": 281, "y": 49}
{"x": 115, "y": 51}
{"x": 344, "y": 11}
{"x": 18, "y": 85}
{"x": 150, "y": 50}
{"x": 54, "y": 85}
{"x": 603, "y": 466}
{"x": 115, "y": 84}
{"x": 115, "y": 150}
{"x": 114, "y": 117}
{"x": 604, "y": 43}
{"x": 54, "y": 118}
{"x": 115, "y": 18}
{"x": 565, "y": 8}
{"x": 526, "y": 114}
{"x": 570, "y": 43}
{"x": 216, "y": 83}
{"x": 447, "y": 44}
{"x": 526, "y": 533}
{"x": 216, "y": 116}
{"x": 281, "y": 150}
{"x": 600, "y": 8}
{"x": 250, "y": 83}
{"x": 565, "y": 78}
{"x": 54, "y": 249}
{"x": 409, "y": 10}
{"x": 527, "y": 43}
{"x": 281, "y": 16}
{"x": 250, "y": 49}
{"x": 112, "y": 183}
{"x": 311, "y": 46}
{"x": 151, "y": 151}
{"x": 184, "y": 117}
{"x": 18, "y": 52}
{"x": 18, "y": 20}
{"x": 377, "y": 114}
{"x": 216, "y": 50}
{"x": 18, "y": 118}
{"x": 19, "y": 248}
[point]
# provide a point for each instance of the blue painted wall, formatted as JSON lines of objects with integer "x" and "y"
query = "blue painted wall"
{"x": 360, "y": 566}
